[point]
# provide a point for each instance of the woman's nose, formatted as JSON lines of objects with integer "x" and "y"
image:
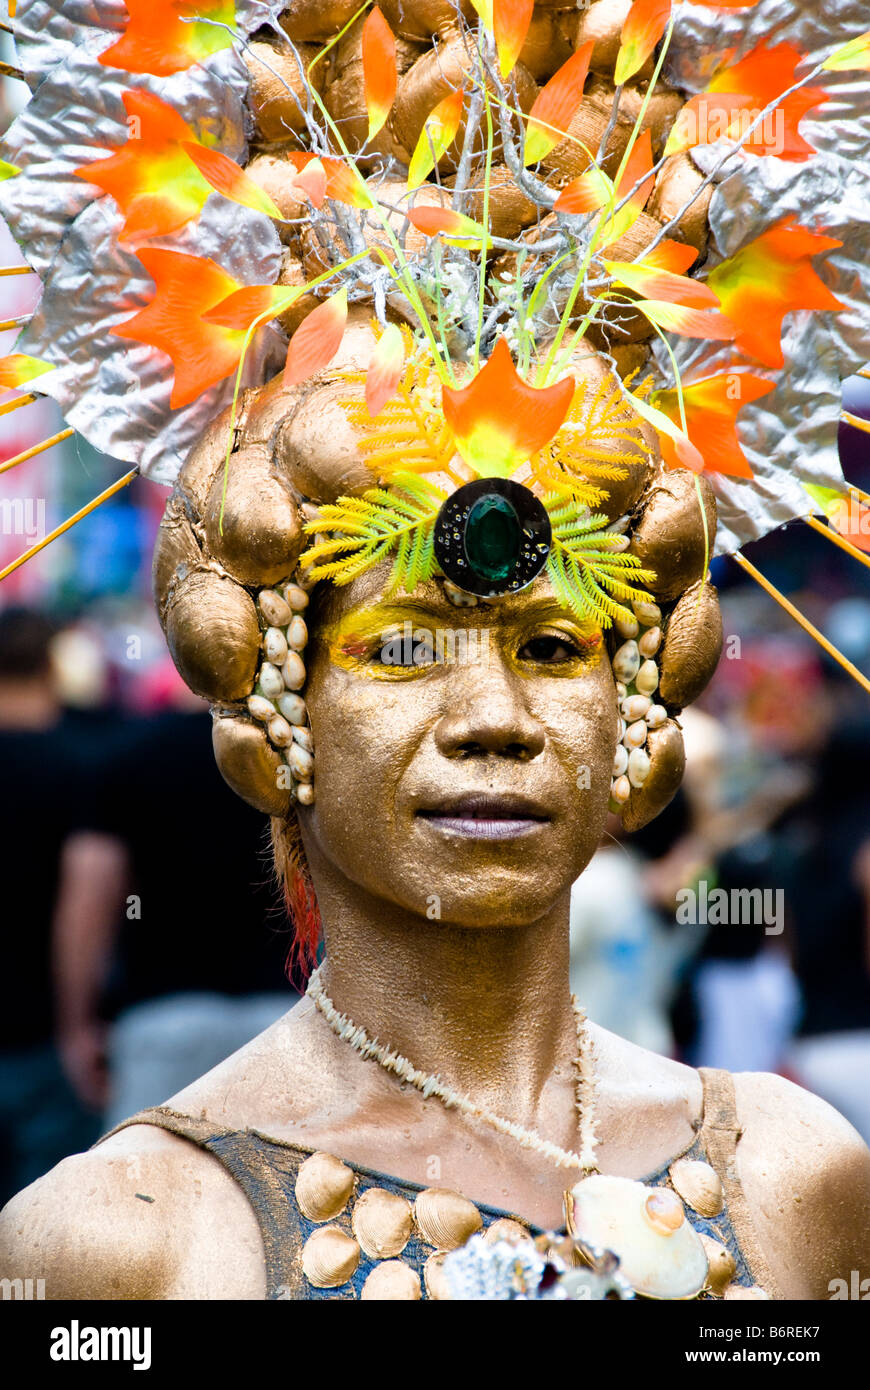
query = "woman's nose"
{"x": 489, "y": 716}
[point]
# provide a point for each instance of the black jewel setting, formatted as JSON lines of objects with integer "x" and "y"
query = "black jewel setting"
{"x": 492, "y": 537}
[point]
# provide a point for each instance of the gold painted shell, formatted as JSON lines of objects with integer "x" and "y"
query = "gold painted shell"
{"x": 437, "y": 1286}
{"x": 721, "y": 1266}
{"x": 382, "y": 1223}
{"x": 329, "y": 1257}
{"x": 506, "y": 1229}
{"x": 323, "y": 1187}
{"x": 660, "y": 1253}
{"x": 445, "y": 1218}
{"x": 390, "y": 1281}
{"x": 699, "y": 1185}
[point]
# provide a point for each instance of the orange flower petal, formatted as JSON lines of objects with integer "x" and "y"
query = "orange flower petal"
{"x": 18, "y": 369}
{"x": 510, "y": 22}
{"x": 771, "y": 277}
{"x": 157, "y": 39}
{"x": 151, "y": 176}
{"x": 712, "y": 406}
{"x": 852, "y": 57}
{"x": 439, "y": 131}
{"x": 343, "y": 182}
{"x": 313, "y": 182}
{"x": 316, "y": 340}
{"x": 455, "y": 227}
{"x": 681, "y": 451}
{"x": 186, "y": 288}
{"x": 227, "y": 177}
{"x": 655, "y": 283}
{"x": 644, "y": 25}
{"x": 385, "y": 368}
{"x": 691, "y": 323}
{"x": 380, "y": 75}
{"x": 241, "y": 307}
{"x": 556, "y": 104}
{"x": 498, "y": 420}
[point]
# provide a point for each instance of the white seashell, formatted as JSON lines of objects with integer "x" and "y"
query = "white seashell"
{"x": 458, "y": 597}
{"x": 293, "y": 671}
{"x": 293, "y": 708}
{"x": 279, "y": 731}
{"x": 304, "y": 737}
{"x": 436, "y": 1281}
{"x": 656, "y": 716}
{"x": 647, "y": 678}
{"x": 626, "y": 662}
{"x": 721, "y": 1266}
{"x": 260, "y": 708}
{"x": 626, "y": 627}
{"x": 323, "y": 1186}
{"x": 274, "y": 645}
{"x": 300, "y": 762}
{"x": 620, "y": 760}
{"x": 621, "y": 727}
{"x": 621, "y": 690}
{"x": 392, "y": 1281}
{"x": 635, "y": 734}
{"x": 621, "y": 790}
{"x": 735, "y": 1291}
{"x": 270, "y": 681}
{"x": 699, "y": 1185}
{"x": 445, "y": 1218}
{"x": 382, "y": 1223}
{"x": 660, "y": 1253}
{"x": 297, "y": 635}
{"x": 296, "y": 597}
{"x": 650, "y": 642}
{"x": 648, "y": 613}
{"x": 305, "y": 794}
{"x": 635, "y": 707}
{"x": 274, "y": 609}
{"x": 638, "y": 766}
{"x": 329, "y": 1257}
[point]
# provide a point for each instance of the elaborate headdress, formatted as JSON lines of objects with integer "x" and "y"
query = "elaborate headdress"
{"x": 558, "y": 281}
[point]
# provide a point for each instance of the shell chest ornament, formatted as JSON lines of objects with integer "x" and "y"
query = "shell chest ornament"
{"x": 479, "y": 295}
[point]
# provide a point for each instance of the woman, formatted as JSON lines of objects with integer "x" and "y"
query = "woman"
{"x": 439, "y": 1079}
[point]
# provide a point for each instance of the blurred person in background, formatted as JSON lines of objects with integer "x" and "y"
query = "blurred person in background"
{"x": 183, "y": 967}
{"x": 43, "y": 768}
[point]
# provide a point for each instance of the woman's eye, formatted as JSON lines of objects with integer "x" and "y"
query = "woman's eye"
{"x": 549, "y": 650}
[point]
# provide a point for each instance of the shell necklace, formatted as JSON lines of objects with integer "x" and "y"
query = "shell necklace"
{"x": 429, "y": 1085}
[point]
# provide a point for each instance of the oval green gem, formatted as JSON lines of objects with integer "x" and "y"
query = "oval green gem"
{"x": 493, "y": 536}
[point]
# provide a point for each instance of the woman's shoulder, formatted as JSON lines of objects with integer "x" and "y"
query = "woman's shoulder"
{"x": 134, "y": 1217}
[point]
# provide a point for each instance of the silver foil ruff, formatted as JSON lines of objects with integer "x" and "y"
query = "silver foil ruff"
{"x": 791, "y": 434}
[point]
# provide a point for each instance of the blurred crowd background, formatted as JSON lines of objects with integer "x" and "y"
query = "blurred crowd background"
{"x": 144, "y": 937}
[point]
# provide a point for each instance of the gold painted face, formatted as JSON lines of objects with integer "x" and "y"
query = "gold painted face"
{"x": 463, "y": 754}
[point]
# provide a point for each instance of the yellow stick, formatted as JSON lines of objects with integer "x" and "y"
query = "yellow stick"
{"x": 800, "y": 620}
{"x": 17, "y": 403}
{"x": 865, "y": 371}
{"x": 71, "y": 521}
{"x": 37, "y": 449}
{"x": 856, "y": 421}
{"x": 16, "y": 270}
{"x": 830, "y": 534}
{"x": 14, "y": 323}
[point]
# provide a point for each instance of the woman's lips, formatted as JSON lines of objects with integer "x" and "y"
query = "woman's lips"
{"x": 487, "y": 817}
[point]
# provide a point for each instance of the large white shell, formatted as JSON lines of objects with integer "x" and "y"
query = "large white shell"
{"x": 382, "y": 1223}
{"x": 329, "y": 1257}
{"x": 323, "y": 1186}
{"x": 445, "y": 1218}
{"x": 660, "y": 1254}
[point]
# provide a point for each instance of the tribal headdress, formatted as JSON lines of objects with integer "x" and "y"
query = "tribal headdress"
{"x": 559, "y": 282}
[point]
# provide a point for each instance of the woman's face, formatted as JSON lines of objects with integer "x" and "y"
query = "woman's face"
{"x": 463, "y": 755}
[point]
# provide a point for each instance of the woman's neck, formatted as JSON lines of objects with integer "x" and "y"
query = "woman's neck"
{"x": 488, "y": 1010}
